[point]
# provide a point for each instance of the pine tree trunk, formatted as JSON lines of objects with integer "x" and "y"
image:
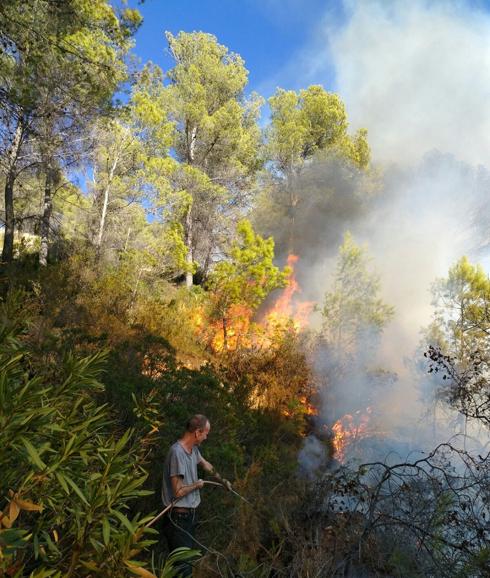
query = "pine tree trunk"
{"x": 50, "y": 183}
{"x": 292, "y": 237}
{"x": 225, "y": 335}
{"x": 8, "y": 239}
{"x": 100, "y": 234}
{"x": 189, "y": 277}
{"x": 293, "y": 202}
{"x": 105, "y": 204}
{"x": 126, "y": 243}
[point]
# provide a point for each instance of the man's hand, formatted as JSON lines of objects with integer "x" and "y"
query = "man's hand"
{"x": 199, "y": 484}
{"x": 226, "y": 484}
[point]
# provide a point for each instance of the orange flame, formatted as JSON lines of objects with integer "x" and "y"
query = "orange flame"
{"x": 237, "y": 329}
{"x": 308, "y": 407}
{"x": 286, "y": 306}
{"x": 287, "y": 311}
{"x": 348, "y": 430}
{"x": 305, "y": 405}
{"x": 197, "y": 318}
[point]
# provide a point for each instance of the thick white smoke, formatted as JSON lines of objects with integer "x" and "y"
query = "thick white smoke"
{"x": 414, "y": 74}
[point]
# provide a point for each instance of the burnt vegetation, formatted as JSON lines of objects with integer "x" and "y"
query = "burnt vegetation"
{"x": 427, "y": 517}
{"x": 467, "y": 389}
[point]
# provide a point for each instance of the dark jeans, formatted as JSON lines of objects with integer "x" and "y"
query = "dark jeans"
{"x": 179, "y": 529}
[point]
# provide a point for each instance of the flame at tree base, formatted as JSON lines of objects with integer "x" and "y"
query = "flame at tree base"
{"x": 238, "y": 330}
{"x": 286, "y": 306}
{"x": 235, "y": 331}
{"x": 348, "y": 430}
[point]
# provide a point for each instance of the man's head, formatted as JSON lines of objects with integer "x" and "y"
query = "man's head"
{"x": 198, "y": 426}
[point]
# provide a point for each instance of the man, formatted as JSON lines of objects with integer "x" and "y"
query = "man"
{"x": 181, "y": 485}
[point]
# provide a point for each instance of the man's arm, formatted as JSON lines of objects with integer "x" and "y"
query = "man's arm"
{"x": 210, "y": 469}
{"x": 205, "y": 465}
{"x": 179, "y": 489}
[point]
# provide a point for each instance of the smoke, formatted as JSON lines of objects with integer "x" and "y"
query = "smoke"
{"x": 312, "y": 457}
{"x": 421, "y": 221}
{"x": 412, "y": 74}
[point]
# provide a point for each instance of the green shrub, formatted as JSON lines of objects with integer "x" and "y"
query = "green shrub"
{"x": 68, "y": 474}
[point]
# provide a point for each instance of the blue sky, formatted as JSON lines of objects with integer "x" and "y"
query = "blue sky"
{"x": 414, "y": 73}
{"x": 268, "y": 34}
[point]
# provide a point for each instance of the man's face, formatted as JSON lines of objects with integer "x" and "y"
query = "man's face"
{"x": 202, "y": 434}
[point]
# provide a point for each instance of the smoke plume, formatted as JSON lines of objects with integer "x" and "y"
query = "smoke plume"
{"x": 412, "y": 73}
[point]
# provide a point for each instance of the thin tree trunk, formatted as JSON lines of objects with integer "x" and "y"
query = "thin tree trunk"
{"x": 75, "y": 555}
{"x": 189, "y": 276}
{"x": 49, "y": 185}
{"x": 292, "y": 237}
{"x": 127, "y": 240}
{"x": 293, "y": 202}
{"x": 105, "y": 204}
{"x": 225, "y": 335}
{"x": 100, "y": 234}
{"x": 8, "y": 239}
{"x": 189, "y": 258}
{"x": 134, "y": 292}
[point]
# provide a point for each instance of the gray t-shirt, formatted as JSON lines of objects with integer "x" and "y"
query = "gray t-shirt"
{"x": 180, "y": 463}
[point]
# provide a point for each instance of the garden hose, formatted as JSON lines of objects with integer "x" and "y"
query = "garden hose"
{"x": 173, "y": 502}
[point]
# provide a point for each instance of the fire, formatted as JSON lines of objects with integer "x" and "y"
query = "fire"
{"x": 287, "y": 307}
{"x": 197, "y": 318}
{"x": 238, "y": 329}
{"x": 309, "y": 408}
{"x": 348, "y": 430}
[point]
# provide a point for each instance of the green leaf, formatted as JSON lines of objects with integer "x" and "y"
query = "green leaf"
{"x": 33, "y": 454}
{"x": 178, "y": 555}
{"x": 35, "y": 542}
{"x": 122, "y": 442}
{"x": 77, "y": 490}
{"x": 106, "y": 531}
{"x": 124, "y": 520}
{"x": 11, "y": 539}
{"x": 61, "y": 479}
{"x": 69, "y": 445}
